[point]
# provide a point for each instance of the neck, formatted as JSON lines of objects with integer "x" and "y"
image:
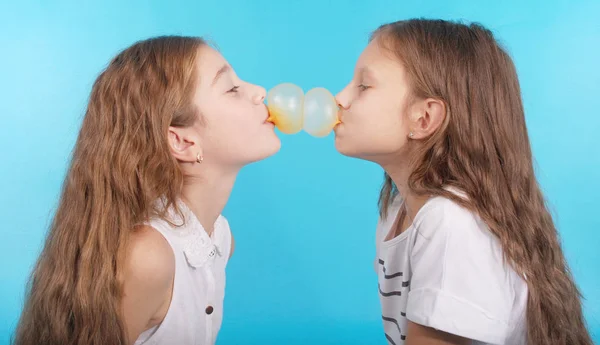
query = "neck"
{"x": 207, "y": 195}
{"x": 412, "y": 202}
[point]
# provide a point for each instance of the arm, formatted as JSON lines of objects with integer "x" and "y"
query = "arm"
{"x": 421, "y": 335}
{"x": 149, "y": 270}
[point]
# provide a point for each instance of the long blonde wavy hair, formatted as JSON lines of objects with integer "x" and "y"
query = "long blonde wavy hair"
{"x": 120, "y": 165}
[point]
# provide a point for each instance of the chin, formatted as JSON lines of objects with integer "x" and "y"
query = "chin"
{"x": 343, "y": 148}
{"x": 353, "y": 152}
{"x": 273, "y": 147}
{"x": 268, "y": 148}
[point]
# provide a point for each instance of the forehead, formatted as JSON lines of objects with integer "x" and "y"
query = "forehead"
{"x": 378, "y": 62}
{"x": 209, "y": 62}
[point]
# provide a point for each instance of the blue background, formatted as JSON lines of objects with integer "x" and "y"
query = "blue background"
{"x": 302, "y": 272}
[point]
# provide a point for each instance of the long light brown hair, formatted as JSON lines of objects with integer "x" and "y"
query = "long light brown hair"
{"x": 120, "y": 166}
{"x": 483, "y": 149}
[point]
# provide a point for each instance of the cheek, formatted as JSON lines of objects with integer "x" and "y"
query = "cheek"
{"x": 237, "y": 128}
{"x": 371, "y": 128}
{"x": 239, "y": 135}
{"x": 224, "y": 130}
{"x": 375, "y": 116}
{"x": 232, "y": 118}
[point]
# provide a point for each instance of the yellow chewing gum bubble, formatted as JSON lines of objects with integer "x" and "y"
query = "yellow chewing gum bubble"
{"x": 291, "y": 111}
{"x": 285, "y": 124}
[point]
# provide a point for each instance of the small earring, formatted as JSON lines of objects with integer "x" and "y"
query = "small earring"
{"x": 199, "y": 158}
{"x": 411, "y": 134}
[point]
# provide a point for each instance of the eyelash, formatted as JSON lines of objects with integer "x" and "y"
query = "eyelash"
{"x": 234, "y": 89}
{"x": 362, "y": 87}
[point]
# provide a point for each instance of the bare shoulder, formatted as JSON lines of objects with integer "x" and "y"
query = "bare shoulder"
{"x": 149, "y": 270}
{"x": 149, "y": 257}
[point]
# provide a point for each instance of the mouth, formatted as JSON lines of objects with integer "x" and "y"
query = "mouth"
{"x": 337, "y": 124}
{"x": 338, "y": 117}
{"x": 269, "y": 118}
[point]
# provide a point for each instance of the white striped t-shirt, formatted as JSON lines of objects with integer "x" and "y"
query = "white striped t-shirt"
{"x": 446, "y": 271}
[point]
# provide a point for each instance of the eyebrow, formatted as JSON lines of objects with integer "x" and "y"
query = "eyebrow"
{"x": 220, "y": 72}
{"x": 365, "y": 71}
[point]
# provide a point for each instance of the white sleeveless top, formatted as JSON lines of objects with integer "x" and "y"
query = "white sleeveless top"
{"x": 196, "y": 310}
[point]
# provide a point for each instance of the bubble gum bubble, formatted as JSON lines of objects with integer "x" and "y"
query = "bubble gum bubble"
{"x": 320, "y": 112}
{"x": 286, "y": 103}
{"x": 291, "y": 111}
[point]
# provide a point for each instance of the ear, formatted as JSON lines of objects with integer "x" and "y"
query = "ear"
{"x": 184, "y": 144}
{"x": 427, "y": 117}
